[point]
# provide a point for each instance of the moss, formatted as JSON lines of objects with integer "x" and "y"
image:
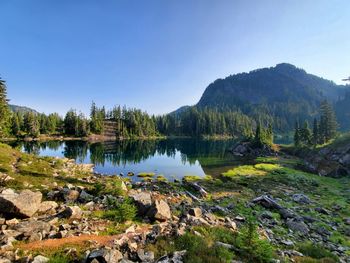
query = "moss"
{"x": 146, "y": 174}
{"x": 244, "y": 170}
{"x": 191, "y": 178}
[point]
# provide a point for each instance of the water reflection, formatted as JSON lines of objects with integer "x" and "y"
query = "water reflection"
{"x": 171, "y": 157}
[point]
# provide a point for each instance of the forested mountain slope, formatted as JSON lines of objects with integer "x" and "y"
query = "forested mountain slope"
{"x": 281, "y": 94}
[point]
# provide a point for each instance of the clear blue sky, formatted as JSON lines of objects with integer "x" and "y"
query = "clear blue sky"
{"x": 159, "y": 55}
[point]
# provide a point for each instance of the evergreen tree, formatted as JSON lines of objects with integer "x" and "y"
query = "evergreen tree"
{"x": 4, "y": 111}
{"x": 315, "y": 133}
{"x": 15, "y": 125}
{"x": 305, "y": 134}
{"x": 328, "y": 122}
{"x": 297, "y": 134}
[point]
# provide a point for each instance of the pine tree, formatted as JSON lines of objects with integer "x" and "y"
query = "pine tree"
{"x": 297, "y": 134}
{"x": 305, "y": 134}
{"x": 15, "y": 125}
{"x": 4, "y": 111}
{"x": 315, "y": 133}
{"x": 328, "y": 122}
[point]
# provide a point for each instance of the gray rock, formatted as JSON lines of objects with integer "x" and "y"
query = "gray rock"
{"x": 28, "y": 228}
{"x": 177, "y": 257}
{"x": 159, "y": 210}
{"x": 145, "y": 256}
{"x": 85, "y": 197}
{"x": 298, "y": 226}
{"x": 104, "y": 255}
{"x": 40, "y": 259}
{"x": 22, "y": 205}
{"x": 72, "y": 212}
{"x": 301, "y": 199}
{"x": 47, "y": 207}
{"x": 143, "y": 202}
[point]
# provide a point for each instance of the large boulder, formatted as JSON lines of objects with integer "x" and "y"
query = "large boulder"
{"x": 72, "y": 212}
{"x": 143, "y": 202}
{"x": 159, "y": 210}
{"x": 20, "y": 205}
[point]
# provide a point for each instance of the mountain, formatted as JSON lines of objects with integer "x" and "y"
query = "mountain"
{"x": 23, "y": 109}
{"x": 180, "y": 110}
{"x": 282, "y": 94}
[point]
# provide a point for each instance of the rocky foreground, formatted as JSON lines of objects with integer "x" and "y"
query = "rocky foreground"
{"x": 266, "y": 212}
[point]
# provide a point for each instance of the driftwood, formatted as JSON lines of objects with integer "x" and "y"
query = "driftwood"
{"x": 199, "y": 188}
{"x": 195, "y": 198}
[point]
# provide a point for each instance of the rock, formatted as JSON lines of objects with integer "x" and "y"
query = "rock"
{"x": 40, "y": 259}
{"x": 72, "y": 212}
{"x": 124, "y": 187}
{"x": 347, "y": 221}
{"x": 145, "y": 256}
{"x": 321, "y": 210}
{"x": 177, "y": 257}
{"x": 22, "y": 205}
{"x": 28, "y": 228}
{"x": 301, "y": 199}
{"x": 224, "y": 245}
{"x": 287, "y": 243}
{"x": 267, "y": 202}
{"x": 298, "y": 226}
{"x": 104, "y": 255}
{"x": 160, "y": 211}
{"x": 85, "y": 197}
{"x": 47, "y": 207}
{"x": 197, "y": 212}
{"x": 71, "y": 196}
{"x": 143, "y": 202}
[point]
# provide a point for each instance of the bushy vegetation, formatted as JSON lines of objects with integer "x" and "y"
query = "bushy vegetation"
{"x": 203, "y": 246}
{"x": 315, "y": 251}
{"x": 120, "y": 212}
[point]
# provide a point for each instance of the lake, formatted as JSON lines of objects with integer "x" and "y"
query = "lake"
{"x": 172, "y": 158}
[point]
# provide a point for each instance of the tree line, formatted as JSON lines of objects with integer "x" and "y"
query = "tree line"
{"x": 323, "y": 131}
{"x": 134, "y": 123}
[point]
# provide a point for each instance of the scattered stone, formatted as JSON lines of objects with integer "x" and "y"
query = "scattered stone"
{"x": 22, "y": 205}
{"x": 71, "y": 196}
{"x": 196, "y": 212}
{"x": 301, "y": 199}
{"x": 47, "y": 207}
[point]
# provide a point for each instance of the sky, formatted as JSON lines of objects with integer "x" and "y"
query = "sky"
{"x": 159, "y": 55}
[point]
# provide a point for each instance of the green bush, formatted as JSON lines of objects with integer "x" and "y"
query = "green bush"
{"x": 251, "y": 247}
{"x": 121, "y": 212}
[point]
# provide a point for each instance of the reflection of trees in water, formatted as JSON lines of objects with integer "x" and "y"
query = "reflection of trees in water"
{"x": 135, "y": 151}
{"x": 35, "y": 147}
{"x": 76, "y": 150}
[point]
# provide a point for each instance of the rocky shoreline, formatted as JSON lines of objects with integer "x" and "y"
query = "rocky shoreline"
{"x": 89, "y": 218}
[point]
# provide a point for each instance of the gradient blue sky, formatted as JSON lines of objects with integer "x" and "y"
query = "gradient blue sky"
{"x": 159, "y": 55}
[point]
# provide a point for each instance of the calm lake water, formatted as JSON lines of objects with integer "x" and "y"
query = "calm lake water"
{"x": 172, "y": 158}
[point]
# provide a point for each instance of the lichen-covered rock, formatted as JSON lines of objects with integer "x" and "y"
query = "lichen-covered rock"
{"x": 21, "y": 205}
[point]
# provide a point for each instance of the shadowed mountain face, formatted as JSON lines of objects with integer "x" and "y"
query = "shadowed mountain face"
{"x": 283, "y": 93}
